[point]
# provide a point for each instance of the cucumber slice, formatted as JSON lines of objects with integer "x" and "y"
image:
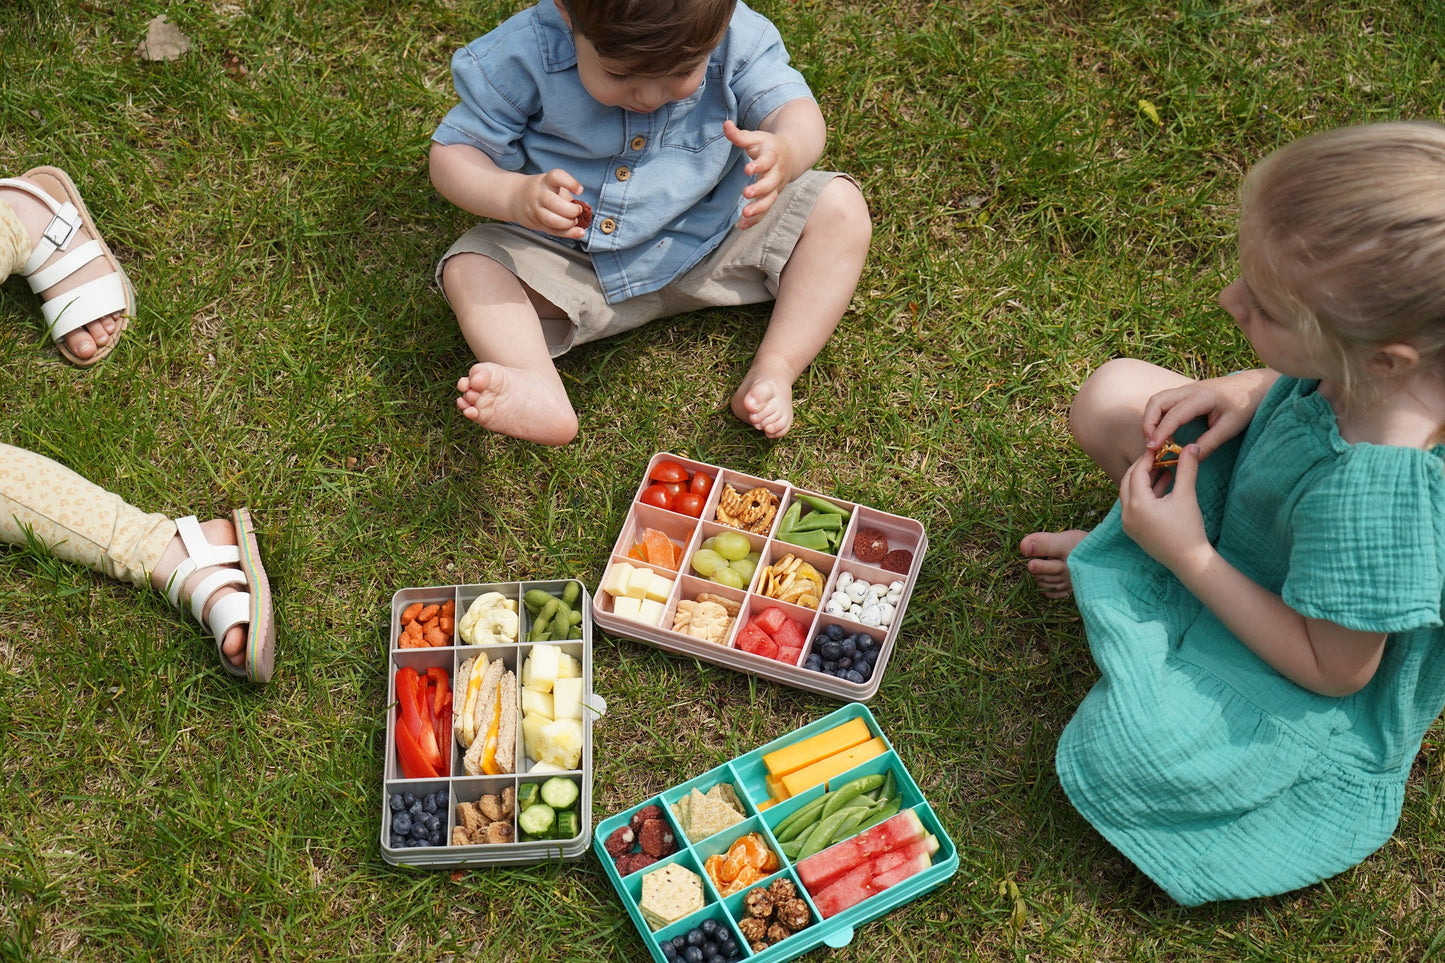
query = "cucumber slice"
{"x": 528, "y": 794}
{"x": 537, "y": 819}
{"x": 568, "y": 825}
{"x": 560, "y": 792}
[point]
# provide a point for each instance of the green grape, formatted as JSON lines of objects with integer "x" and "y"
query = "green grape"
{"x": 705, "y": 562}
{"x": 744, "y": 567}
{"x": 755, "y": 557}
{"x": 732, "y": 545}
{"x": 728, "y": 576}
{"x": 709, "y": 543}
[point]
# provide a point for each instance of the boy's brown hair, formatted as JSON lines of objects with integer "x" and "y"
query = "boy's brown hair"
{"x": 651, "y": 36}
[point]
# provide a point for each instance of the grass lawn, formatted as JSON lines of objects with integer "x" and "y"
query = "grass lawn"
{"x": 1052, "y": 185}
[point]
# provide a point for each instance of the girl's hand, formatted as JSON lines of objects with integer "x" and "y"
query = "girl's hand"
{"x": 1166, "y": 523}
{"x": 543, "y": 202}
{"x": 771, "y": 157}
{"x": 1227, "y": 404}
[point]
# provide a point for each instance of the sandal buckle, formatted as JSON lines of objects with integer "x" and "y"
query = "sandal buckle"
{"x": 60, "y": 231}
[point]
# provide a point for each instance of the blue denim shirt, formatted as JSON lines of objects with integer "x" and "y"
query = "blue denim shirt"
{"x": 665, "y": 187}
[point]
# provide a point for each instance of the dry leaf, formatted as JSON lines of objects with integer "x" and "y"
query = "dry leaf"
{"x": 163, "y": 41}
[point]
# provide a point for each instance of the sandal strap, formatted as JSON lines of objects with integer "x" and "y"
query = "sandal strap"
{"x": 203, "y": 592}
{"x": 65, "y": 267}
{"x": 201, "y": 554}
{"x": 93, "y": 300}
{"x": 234, "y": 609}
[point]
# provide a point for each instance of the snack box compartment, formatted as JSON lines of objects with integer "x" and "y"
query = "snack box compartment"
{"x": 646, "y": 606}
{"x": 448, "y": 652}
{"x": 776, "y": 821}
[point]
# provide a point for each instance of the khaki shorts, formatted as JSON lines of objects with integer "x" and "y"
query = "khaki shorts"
{"x": 743, "y": 270}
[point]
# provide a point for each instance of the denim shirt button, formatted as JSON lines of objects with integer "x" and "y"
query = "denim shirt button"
{"x": 639, "y": 142}
{"x": 624, "y": 172}
{"x": 608, "y": 225}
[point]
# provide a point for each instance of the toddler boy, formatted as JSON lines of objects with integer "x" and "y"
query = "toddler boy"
{"x": 649, "y": 157}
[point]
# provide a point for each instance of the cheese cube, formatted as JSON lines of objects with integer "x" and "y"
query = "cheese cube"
{"x": 536, "y": 703}
{"x": 626, "y": 607}
{"x": 651, "y": 612}
{"x": 639, "y": 582}
{"x": 567, "y": 699}
{"x": 618, "y": 575}
{"x": 659, "y": 588}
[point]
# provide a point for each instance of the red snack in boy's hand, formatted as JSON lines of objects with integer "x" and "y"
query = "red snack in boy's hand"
{"x": 584, "y": 220}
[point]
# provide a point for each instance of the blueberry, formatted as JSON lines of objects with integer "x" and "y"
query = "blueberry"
{"x": 430, "y": 802}
{"x": 415, "y": 809}
{"x": 835, "y": 632}
{"x": 397, "y": 803}
{"x": 696, "y": 937}
{"x": 713, "y": 958}
{"x": 815, "y": 662}
{"x": 667, "y": 950}
{"x": 693, "y": 955}
{"x": 709, "y": 927}
{"x": 832, "y": 650}
{"x": 863, "y": 668}
{"x": 853, "y": 675}
{"x": 845, "y": 663}
{"x": 408, "y": 799}
{"x": 401, "y": 825}
{"x": 435, "y": 838}
{"x": 730, "y": 946}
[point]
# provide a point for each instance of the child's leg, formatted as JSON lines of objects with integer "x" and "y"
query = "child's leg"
{"x": 78, "y": 521}
{"x": 813, "y": 292}
{"x": 1107, "y": 419}
{"x": 514, "y": 388}
{"x": 23, "y": 221}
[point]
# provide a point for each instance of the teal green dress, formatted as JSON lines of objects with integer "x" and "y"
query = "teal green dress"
{"x": 1214, "y": 774}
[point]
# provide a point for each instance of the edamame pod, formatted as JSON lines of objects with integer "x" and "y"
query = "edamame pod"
{"x": 571, "y": 593}
{"x": 535, "y": 599}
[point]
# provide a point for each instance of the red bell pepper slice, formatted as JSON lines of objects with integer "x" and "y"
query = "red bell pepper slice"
{"x": 410, "y": 696}
{"x": 438, "y": 676}
{"x": 410, "y": 758}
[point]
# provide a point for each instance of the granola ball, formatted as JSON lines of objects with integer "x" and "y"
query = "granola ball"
{"x": 777, "y": 933}
{"x": 753, "y": 929}
{"x": 759, "y": 905}
{"x": 656, "y": 839}
{"x": 870, "y": 545}
{"x": 620, "y": 841}
{"x": 793, "y": 914}
{"x": 783, "y": 890}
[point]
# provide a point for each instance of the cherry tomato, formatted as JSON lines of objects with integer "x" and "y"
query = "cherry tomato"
{"x": 668, "y": 471}
{"x": 701, "y": 484}
{"x": 676, "y": 488}
{"x": 657, "y": 495}
{"x": 688, "y": 503}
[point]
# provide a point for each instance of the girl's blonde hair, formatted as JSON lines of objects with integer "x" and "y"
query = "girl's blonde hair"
{"x": 1351, "y": 224}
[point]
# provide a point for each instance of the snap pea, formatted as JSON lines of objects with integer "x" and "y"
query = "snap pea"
{"x": 790, "y": 518}
{"x": 849, "y": 791}
{"x": 818, "y": 541}
{"x": 849, "y": 826}
{"x": 820, "y": 521}
{"x": 879, "y": 813}
{"x": 823, "y": 505}
{"x": 822, "y": 837}
{"x": 794, "y": 824}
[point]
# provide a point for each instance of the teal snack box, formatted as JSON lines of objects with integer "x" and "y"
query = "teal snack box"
{"x": 842, "y": 885}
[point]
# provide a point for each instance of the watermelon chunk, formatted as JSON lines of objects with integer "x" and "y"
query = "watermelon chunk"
{"x": 755, "y": 640}
{"x": 792, "y": 634}
{"x": 788, "y": 655}
{"x": 770, "y": 620}
{"x": 853, "y": 888}
{"x": 894, "y": 832}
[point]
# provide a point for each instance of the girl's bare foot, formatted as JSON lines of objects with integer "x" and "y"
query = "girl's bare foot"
{"x": 218, "y": 531}
{"x": 84, "y": 341}
{"x": 517, "y": 402}
{"x": 765, "y": 401}
{"x": 1048, "y": 554}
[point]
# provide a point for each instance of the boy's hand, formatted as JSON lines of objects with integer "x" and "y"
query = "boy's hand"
{"x": 544, "y": 202}
{"x": 770, "y": 164}
{"x": 1166, "y": 523}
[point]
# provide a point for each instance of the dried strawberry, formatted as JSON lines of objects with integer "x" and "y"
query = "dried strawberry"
{"x": 620, "y": 841}
{"x": 656, "y": 839}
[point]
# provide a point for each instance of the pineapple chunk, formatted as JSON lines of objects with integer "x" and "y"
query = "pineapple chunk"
{"x": 568, "y": 667}
{"x": 532, "y": 733}
{"x": 567, "y": 699}
{"x": 540, "y": 669}
{"x": 536, "y": 703}
{"x": 559, "y": 743}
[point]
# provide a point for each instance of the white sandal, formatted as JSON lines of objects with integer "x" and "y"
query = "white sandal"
{"x": 252, "y": 606}
{"x": 106, "y": 295}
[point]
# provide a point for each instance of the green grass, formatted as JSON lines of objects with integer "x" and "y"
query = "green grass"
{"x": 1032, "y": 220}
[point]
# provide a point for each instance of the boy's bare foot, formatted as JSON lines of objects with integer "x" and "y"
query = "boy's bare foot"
{"x": 218, "y": 531}
{"x": 517, "y": 402}
{"x": 84, "y": 341}
{"x": 765, "y": 401}
{"x": 1048, "y": 554}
